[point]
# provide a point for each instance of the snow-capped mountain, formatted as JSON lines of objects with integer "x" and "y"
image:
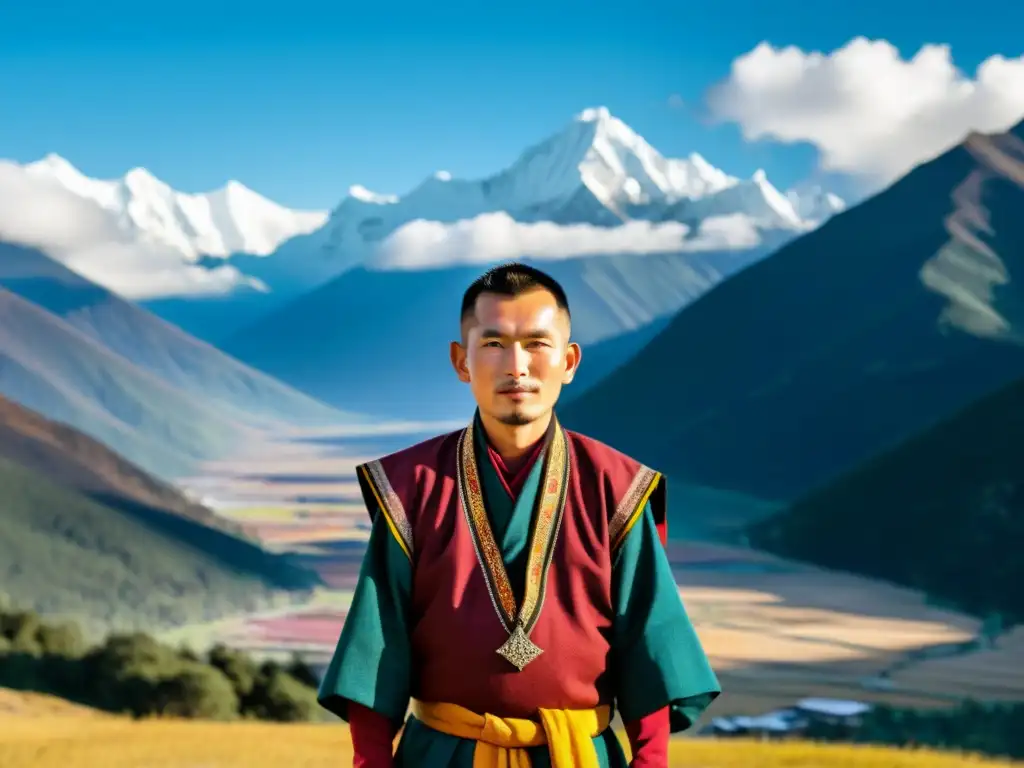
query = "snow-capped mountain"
{"x": 232, "y": 219}
{"x": 593, "y": 184}
{"x": 633, "y": 237}
{"x": 597, "y": 172}
{"x": 815, "y": 204}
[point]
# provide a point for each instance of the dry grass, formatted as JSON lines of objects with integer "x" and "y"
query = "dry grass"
{"x": 110, "y": 742}
{"x": 25, "y": 704}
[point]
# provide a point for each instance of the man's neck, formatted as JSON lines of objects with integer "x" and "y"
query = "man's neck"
{"x": 512, "y": 441}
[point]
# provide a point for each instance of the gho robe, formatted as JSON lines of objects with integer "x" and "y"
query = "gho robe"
{"x": 454, "y": 562}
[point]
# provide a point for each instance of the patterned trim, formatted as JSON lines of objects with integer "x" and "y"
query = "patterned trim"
{"x": 390, "y": 505}
{"x": 632, "y": 504}
{"x": 487, "y": 551}
{"x": 546, "y": 523}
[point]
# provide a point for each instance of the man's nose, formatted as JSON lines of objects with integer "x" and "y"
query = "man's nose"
{"x": 518, "y": 361}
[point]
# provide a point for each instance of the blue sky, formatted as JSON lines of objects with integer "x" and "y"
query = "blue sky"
{"x": 301, "y": 100}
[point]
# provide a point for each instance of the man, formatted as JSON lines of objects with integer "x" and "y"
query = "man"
{"x": 515, "y": 587}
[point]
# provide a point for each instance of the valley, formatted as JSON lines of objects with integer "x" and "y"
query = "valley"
{"x": 776, "y": 630}
{"x": 793, "y": 271}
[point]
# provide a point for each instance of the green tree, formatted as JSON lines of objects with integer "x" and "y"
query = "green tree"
{"x": 21, "y": 628}
{"x": 279, "y": 696}
{"x": 302, "y": 672}
{"x": 240, "y": 669}
{"x": 197, "y": 691}
{"x": 61, "y": 640}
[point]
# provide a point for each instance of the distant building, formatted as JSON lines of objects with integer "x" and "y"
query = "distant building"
{"x": 771, "y": 725}
{"x": 792, "y": 721}
{"x": 833, "y": 711}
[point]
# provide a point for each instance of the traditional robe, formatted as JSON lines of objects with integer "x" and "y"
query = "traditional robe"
{"x": 455, "y": 562}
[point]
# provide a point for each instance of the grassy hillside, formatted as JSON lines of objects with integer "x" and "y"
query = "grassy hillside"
{"x": 943, "y": 512}
{"x": 157, "y": 347}
{"x": 62, "y": 553}
{"x": 891, "y": 316}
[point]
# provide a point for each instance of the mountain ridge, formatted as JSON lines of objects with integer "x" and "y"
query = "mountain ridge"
{"x": 58, "y": 371}
{"x": 226, "y": 220}
{"x": 154, "y": 346}
{"x": 595, "y": 171}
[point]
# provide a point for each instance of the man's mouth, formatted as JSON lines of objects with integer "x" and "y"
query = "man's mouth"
{"x": 517, "y": 393}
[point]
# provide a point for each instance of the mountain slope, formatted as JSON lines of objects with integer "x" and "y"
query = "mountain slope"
{"x": 62, "y": 553}
{"x": 72, "y": 459}
{"x": 886, "y": 319}
{"x": 376, "y": 342}
{"x": 928, "y": 513}
{"x": 56, "y": 370}
{"x": 178, "y": 360}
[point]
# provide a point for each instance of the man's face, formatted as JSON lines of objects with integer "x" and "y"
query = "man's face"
{"x": 516, "y": 355}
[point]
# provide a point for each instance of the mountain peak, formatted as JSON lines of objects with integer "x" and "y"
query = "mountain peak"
{"x": 236, "y": 190}
{"x": 235, "y": 186}
{"x": 364, "y": 195}
{"x": 594, "y": 115}
{"x": 56, "y": 167}
{"x": 53, "y": 161}
{"x": 596, "y": 170}
{"x": 139, "y": 176}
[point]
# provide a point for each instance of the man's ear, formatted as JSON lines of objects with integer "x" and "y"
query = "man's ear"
{"x": 573, "y": 356}
{"x": 457, "y": 352}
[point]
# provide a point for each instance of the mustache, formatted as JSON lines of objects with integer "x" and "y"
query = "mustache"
{"x": 518, "y": 386}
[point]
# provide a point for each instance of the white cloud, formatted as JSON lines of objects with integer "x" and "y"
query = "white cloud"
{"x": 38, "y": 212}
{"x": 869, "y": 111}
{"x": 495, "y": 237}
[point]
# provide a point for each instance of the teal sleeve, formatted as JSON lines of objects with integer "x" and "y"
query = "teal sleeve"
{"x": 657, "y": 658}
{"x": 372, "y": 661}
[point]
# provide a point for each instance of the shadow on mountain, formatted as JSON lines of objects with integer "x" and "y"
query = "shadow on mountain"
{"x": 88, "y": 534}
{"x": 891, "y": 316}
{"x": 600, "y": 359}
{"x": 214, "y": 319}
{"x": 244, "y": 555}
{"x": 376, "y": 342}
{"x": 70, "y": 458}
{"x": 942, "y": 512}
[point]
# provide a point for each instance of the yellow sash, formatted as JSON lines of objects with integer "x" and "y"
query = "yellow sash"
{"x": 501, "y": 742}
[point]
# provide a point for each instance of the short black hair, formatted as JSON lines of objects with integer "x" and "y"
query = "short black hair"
{"x": 512, "y": 279}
